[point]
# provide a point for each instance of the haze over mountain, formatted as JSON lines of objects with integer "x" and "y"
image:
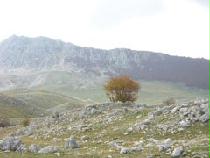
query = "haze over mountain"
{"x": 19, "y": 54}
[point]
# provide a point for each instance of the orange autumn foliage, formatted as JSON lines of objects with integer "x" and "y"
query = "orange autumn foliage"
{"x": 122, "y": 89}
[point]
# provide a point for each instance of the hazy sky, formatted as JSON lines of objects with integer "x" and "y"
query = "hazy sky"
{"x": 178, "y": 27}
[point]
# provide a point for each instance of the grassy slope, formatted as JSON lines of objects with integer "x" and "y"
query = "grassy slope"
{"x": 64, "y": 89}
{"x": 20, "y": 103}
{"x": 89, "y": 87}
{"x": 152, "y": 92}
{"x": 155, "y": 92}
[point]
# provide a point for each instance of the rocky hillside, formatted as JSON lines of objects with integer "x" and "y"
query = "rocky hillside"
{"x": 22, "y": 55}
{"x": 114, "y": 130}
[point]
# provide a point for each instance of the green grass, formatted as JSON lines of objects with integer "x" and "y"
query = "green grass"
{"x": 152, "y": 92}
{"x": 59, "y": 93}
{"x": 32, "y": 103}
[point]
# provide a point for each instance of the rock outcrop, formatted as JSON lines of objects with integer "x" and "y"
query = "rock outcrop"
{"x": 12, "y": 144}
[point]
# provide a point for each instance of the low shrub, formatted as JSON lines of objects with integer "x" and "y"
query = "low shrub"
{"x": 26, "y": 122}
{"x": 4, "y": 122}
{"x": 169, "y": 101}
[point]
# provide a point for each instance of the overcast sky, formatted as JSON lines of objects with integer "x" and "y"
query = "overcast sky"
{"x": 178, "y": 27}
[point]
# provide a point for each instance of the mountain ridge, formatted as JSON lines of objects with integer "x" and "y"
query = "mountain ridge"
{"x": 92, "y": 47}
{"x": 42, "y": 53}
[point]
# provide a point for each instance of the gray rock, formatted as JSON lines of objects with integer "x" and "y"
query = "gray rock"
{"x": 177, "y": 152}
{"x": 164, "y": 145}
{"x": 175, "y": 109}
{"x": 115, "y": 144}
{"x": 146, "y": 122}
{"x": 29, "y": 131}
{"x": 11, "y": 143}
{"x": 184, "y": 123}
{"x": 136, "y": 148}
{"x": 130, "y": 129}
{"x": 183, "y": 110}
{"x": 91, "y": 110}
{"x": 71, "y": 143}
{"x": 125, "y": 150}
{"x": 204, "y": 118}
{"x": 141, "y": 125}
{"x": 34, "y": 148}
{"x": 21, "y": 148}
{"x": 48, "y": 149}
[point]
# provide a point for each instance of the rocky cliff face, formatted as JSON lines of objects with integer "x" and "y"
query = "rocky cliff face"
{"x": 37, "y": 54}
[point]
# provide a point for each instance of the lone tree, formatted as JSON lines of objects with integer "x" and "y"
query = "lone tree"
{"x": 122, "y": 89}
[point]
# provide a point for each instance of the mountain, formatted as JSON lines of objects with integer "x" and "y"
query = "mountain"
{"x": 58, "y": 89}
{"x": 22, "y": 55}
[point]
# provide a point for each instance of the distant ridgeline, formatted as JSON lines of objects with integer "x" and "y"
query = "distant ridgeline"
{"x": 41, "y": 53}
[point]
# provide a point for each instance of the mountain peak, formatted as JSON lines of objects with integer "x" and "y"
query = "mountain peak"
{"x": 39, "y": 39}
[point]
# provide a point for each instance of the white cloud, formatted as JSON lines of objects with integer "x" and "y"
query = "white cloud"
{"x": 179, "y": 27}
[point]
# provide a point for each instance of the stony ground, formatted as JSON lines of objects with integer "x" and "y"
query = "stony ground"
{"x": 114, "y": 130}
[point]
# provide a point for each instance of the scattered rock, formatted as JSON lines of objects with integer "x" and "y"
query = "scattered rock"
{"x": 11, "y": 143}
{"x": 34, "y": 148}
{"x": 165, "y": 144}
{"x": 177, "y": 152}
{"x": 71, "y": 143}
{"x": 204, "y": 118}
{"x": 115, "y": 144}
{"x": 162, "y": 120}
{"x": 184, "y": 123}
{"x": 200, "y": 155}
{"x": 48, "y": 149}
{"x": 124, "y": 150}
{"x": 175, "y": 109}
{"x": 21, "y": 148}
